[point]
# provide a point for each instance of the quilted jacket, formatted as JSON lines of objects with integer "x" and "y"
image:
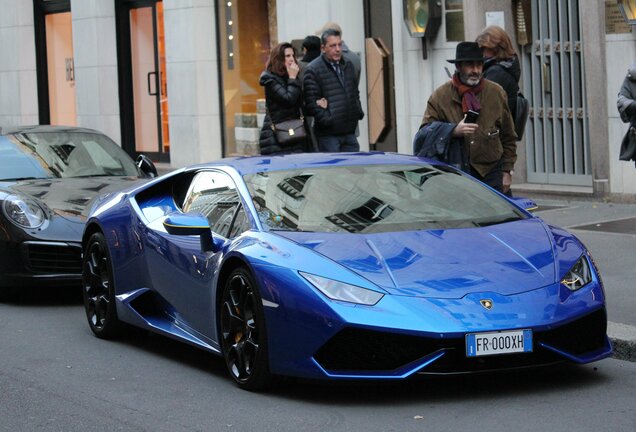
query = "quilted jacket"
{"x": 344, "y": 109}
{"x": 283, "y": 97}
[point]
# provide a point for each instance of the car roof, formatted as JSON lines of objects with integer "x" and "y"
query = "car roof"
{"x": 11, "y": 130}
{"x": 253, "y": 164}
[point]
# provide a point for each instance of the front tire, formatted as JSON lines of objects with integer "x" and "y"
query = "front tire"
{"x": 243, "y": 333}
{"x": 99, "y": 290}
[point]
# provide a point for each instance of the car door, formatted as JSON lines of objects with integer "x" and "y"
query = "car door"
{"x": 185, "y": 274}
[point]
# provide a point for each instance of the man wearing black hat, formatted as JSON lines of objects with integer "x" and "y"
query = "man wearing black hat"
{"x": 468, "y": 124}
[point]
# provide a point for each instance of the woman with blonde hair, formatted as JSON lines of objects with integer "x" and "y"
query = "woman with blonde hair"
{"x": 501, "y": 65}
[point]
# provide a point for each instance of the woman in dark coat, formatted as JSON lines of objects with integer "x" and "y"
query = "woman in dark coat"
{"x": 502, "y": 65}
{"x": 283, "y": 98}
{"x": 627, "y": 97}
{"x": 627, "y": 109}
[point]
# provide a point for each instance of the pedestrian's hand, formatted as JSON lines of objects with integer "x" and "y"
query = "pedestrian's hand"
{"x": 322, "y": 103}
{"x": 463, "y": 129}
{"x": 292, "y": 70}
{"x": 506, "y": 181}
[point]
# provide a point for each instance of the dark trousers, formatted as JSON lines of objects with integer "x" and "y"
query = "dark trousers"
{"x": 338, "y": 143}
{"x": 494, "y": 178}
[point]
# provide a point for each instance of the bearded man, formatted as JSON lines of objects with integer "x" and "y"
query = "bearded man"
{"x": 468, "y": 124}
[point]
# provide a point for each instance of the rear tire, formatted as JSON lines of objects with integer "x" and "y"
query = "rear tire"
{"x": 243, "y": 332}
{"x": 99, "y": 290}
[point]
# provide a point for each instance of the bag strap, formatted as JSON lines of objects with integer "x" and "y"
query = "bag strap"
{"x": 300, "y": 111}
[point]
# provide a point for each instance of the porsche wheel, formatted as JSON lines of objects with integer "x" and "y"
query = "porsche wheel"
{"x": 243, "y": 334}
{"x": 98, "y": 289}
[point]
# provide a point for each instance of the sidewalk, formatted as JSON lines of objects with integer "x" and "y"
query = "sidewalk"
{"x": 609, "y": 232}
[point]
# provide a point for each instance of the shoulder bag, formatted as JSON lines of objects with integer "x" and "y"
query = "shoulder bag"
{"x": 628, "y": 145}
{"x": 289, "y": 132}
{"x": 521, "y": 114}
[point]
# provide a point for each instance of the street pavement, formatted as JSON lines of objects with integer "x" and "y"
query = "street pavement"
{"x": 609, "y": 232}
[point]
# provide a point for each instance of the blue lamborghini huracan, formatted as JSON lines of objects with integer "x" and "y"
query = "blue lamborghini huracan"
{"x": 341, "y": 266}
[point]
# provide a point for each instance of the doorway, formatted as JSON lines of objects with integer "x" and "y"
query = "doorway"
{"x": 378, "y": 31}
{"x": 557, "y": 134}
{"x": 55, "y": 63}
{"x": 143, "y": 78}
{"x": 244, "y": 45}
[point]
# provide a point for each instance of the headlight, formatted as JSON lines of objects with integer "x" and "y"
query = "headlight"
{"x": 25, "y": 213}
{"x": 343, "y": 292}
{"x": 579, "y": 275}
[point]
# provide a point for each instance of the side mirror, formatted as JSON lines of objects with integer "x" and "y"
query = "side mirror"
{"x": 525, "y": 203}
{"x": 146, "y": 166}
{"x": 190, "y": 224}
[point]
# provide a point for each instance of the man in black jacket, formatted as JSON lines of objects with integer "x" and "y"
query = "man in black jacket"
{"x": 350, "y": 57}
{"x": 332, "y": 97}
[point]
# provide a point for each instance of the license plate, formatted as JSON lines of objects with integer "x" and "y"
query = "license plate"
{"x": 493, "y": 343}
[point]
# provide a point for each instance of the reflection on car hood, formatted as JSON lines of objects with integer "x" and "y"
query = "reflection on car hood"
{"x": 72, "y": 198}
{"x": 507, "y": 258}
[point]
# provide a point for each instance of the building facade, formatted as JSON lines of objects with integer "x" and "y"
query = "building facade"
{"x": 178, "y": 79}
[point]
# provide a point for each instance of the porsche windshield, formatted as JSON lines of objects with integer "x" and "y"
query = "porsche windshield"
{"x": 62, "y": 154}
{"x": 375, "y": 198}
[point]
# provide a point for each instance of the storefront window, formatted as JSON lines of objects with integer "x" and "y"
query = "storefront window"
{"x": 454, "y": 18}
{"x": 61, "y": 70}
{"x": 245, "y": 45}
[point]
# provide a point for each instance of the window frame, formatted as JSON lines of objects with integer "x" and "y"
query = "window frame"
{"x": 187, "y": 207}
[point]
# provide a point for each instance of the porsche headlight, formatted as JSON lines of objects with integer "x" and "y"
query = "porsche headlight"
{"x": 343, "y": 292}
{"x": 23, "y": 212}
{"x": 579, "y": 275}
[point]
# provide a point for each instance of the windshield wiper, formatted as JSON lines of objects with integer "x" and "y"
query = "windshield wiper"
{"x": 496, "y": 221}
{"x": 91, "y": 175}
{"x": 23, "y": 178}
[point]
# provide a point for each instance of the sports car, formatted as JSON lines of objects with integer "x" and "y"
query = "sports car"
{"x": 49, "y": 178}
{"x": 363, "y": 266}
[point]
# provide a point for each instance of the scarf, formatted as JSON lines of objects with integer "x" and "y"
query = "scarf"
{"x": 468, "y": 94}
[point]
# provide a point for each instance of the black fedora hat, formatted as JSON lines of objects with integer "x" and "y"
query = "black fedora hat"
{"x": 467, "y": 51}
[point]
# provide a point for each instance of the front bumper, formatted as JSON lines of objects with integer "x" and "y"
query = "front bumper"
{"x": 40, "y": 263}
{"x": 404, "y": 336}
{"x": 360, "y": 352}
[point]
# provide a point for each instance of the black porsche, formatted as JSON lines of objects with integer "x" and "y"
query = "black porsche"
{"x": 49, "y": 178}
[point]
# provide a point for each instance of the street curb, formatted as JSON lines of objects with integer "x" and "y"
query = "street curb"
{"x": 623, "y": 339}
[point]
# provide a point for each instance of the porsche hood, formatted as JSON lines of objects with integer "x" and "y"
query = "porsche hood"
{"x": 506, "y": 258}
{"x": 72, "y": 198}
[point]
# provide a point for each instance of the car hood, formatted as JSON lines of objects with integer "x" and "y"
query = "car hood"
{"x": 71, "y": 198}
{"x": 506, "y": 258}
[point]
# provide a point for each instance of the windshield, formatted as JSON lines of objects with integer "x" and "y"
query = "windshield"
{"x": 62, "y": 154}
{"x": 375, "y": 198}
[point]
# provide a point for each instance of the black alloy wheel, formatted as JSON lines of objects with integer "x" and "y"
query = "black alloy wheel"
{"x": 99, "y": 290}
{"x": 243, "y": 334}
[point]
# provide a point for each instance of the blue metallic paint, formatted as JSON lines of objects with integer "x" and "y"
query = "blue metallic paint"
{"x": 520, "y": 272}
